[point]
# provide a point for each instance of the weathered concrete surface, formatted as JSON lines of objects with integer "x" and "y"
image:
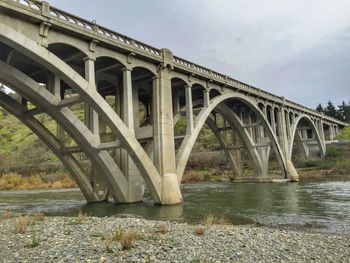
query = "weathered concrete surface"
{"x": 133, "y": 96}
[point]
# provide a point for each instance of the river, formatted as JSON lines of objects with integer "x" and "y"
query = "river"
{"x": 311, "y": 206}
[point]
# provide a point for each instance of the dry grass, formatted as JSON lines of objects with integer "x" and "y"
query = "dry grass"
{"x": 81, "y": 217}
{"x": 117, "y": 234}
{"x": 210, "y": 220}
{"x": 39, "y": 217}
{"x": 199, "y": 231}
{"x": 127, "y": 240}
{"x": 108, "y": 243}
{"x": 342, "y": 167}
{"x": 39, "y": 181}
{"x": 162, "y": 230}
{"x": 21, "y": 224}
{"x": 7, "y": 214}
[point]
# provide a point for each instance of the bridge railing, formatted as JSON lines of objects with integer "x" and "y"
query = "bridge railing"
{"x": 246, "y": 87}
{"x": 91, "y": 27}
{"x": 102, "y": 31}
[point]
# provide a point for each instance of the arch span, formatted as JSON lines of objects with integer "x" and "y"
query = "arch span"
{"x": 88, "y": 93}
{"x": 189, "y": 141}
{"x": 67, "y": 159}
{"x": 320, "y": 142}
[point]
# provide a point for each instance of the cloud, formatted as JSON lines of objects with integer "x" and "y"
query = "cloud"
{"x": 298, "y": 49}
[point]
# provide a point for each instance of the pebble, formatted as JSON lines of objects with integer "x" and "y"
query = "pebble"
{"x": 91, "y": 241}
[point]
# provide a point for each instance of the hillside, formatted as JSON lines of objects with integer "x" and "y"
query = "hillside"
{"x": 21, "y": 152}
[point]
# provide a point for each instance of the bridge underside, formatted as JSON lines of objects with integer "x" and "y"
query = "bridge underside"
{"x": 117, "y": 114}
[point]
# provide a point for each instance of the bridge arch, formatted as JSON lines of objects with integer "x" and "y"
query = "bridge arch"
{"x": 67, "y": 159}
{"x": 87, "y": 92}
{"x": 314, "y": 129}
{"x": 188, "y": 142}
{"x": 213, "y": 92}
{"x": 71, "y": 55}
{"x": 62, "y": 43}
{"x": 178, "y": 76}
{"x": 116, "y": 59}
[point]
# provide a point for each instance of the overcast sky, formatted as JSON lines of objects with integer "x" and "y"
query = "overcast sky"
{"x": 299, "y": 49}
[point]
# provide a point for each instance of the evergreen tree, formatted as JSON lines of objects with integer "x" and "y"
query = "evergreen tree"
{"x": 330, "y": 110}
{"x": 319, "y": 108}
{"x": 344, "y": 111}
{"x": 341, "y": 111}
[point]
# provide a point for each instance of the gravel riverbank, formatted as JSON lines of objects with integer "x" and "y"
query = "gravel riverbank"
{"x": 92, "y": 239}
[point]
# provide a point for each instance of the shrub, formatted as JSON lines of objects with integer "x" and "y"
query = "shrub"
{"x": 108, "y": 245}
{"x": 35, "y": 241}
{"x": 127, "y": 240}
{"x": 81, "y": 217}
{"x": 208, "y": 220}
{"x": 117, "y": 234}
{"x": 10, "y": 181}
{"x": 345, "y": 134}
{"x": 7, "y": 214}
{"x": 39, "y": 217}
{"x": 342, "y": 167}
{"x": 199, "y": 231}
{"x": 21, "y": 224}
{"x": 332, "y": 152}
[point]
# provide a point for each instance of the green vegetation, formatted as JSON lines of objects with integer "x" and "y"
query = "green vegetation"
{"x": 336, "y": 164}
{"x": 25, "y": 162}
{"x": 345, "y": 134}
{"x": 35, "y": 241}
{"x": 342, "y": 112}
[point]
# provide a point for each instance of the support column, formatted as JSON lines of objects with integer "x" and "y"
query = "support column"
{"x": 176, "y": 103}
{"x": 130, "y": 99}
{"x": 283, "y": 141}
{"x": 273, "y": 121}
{"x": 321, "y": 132}
{"x": 128, "y": 111}
{"x": 304, "y": 133}
{"x": 118, "y": 110}
{"x": 136, "y": 108}
{"x": 189, "y": 110}
{"x": 92, "y": 122}
{"x": 322, "y": 139}
{"x": 331, "y": 131}
{"x": 289, "y": 131}
{"x": 54, "y": 86}
{"x": 163, "y": 132}
{"x": 206, "y": 98}
{"x": 91, "y": 117}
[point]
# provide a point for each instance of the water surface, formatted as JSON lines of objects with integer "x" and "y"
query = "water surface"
{"x": 315, "y": 206}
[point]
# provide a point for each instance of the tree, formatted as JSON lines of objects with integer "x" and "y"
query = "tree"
{"x": 330, "y": 110}
{"x": 341, "y": 110}
{"x": 344, "y": 112}
{"x": 319, "y": 108}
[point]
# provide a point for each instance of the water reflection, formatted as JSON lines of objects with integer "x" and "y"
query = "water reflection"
{"x": 322, "y": 205}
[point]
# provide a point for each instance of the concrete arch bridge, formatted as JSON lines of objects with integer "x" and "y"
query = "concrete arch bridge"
{"x": 132, "y": 96}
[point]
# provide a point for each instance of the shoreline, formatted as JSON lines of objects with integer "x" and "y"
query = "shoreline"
{"x": 34, "y": 182}
{"x": 94, "y": 239}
